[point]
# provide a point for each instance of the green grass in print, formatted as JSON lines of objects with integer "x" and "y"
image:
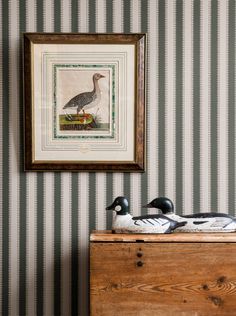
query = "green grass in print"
{"x": 75, "y": 122}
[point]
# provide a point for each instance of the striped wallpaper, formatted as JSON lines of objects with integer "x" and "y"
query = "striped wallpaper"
{"x": 46, "y": 217}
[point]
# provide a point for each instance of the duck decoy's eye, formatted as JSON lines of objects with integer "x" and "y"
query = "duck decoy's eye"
{"x": 117, "y": 208}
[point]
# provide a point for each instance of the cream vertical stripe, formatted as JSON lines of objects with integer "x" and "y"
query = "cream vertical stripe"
{"x": 14, "y": 158}
{"x": 100, "y": 176}
{"x": 48, "y": 244}
{"x": 222, "y": 107}
{"x": 66, "y": 242}
{"x": 66, "y": 15}
{"x": 205, "y": 107}
{"x": 135, "y": 180}
{"x": 101, "y": 201}
{"x": 170, "y": 100}
{"x": 135, "y": 202}
{"x": 135, "y": 16}
{"x": 118, "y": 178}
{"x": 188, "y": 106}
{"x": 83, "y": 243}
{"x": 48, "y": 201}
{"x": 31, "y": 15}
{"x": 66, "y": 201}
{"x": 118, "y": 184}
{"x": 83, "y": 203}
{"x": 48, "y": 12}
{"x": 101, "y": 16}
{"x": 31, "y": 202}
{"x": 152, "y": 93}
{"x": 30, "y": 245}
{"x": 117, "y": 16}
{"x": 83, "y": 16}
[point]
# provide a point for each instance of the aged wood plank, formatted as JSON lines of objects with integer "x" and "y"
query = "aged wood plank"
{"x": 107, "y": 236}
{"x": 174, "y": 279}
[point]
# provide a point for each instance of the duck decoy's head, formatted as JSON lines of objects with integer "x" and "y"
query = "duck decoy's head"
{"x": 120, "y": 205}
{"x": 97, "y": 76}
{"x": 162, "y": 203}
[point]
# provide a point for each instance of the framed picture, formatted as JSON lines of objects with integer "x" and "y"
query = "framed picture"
{"x": 84, "y": 97}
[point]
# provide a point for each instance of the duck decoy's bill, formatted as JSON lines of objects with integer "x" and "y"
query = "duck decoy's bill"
{"x": 149, "y": 205}
{"x": 110, "y": 207}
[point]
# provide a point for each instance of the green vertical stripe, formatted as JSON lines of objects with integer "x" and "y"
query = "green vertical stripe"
{"x": 92, "y": 175}
{"x": 5, "y": 158}
{"x": 57, "y": 202}
{"x": 126, "y": 23}
{"x": 92, "y": 201}
{"x": 127, "y": 26}
{"x": 40, "y": 244}
{"x": 57, "y": 244}
{"x": 74, "y": 205}
{"x": 92, "y": 16}
{"x": 57, "y": 15}
{"x": 161, "y": 97}
{"x": 74, "y": 244}
{"x": 144, "y": 179}
{"x": 23, "y": 191}
{"x": 196, "y": 105}
{"x": 40, "y": 14}
{"x": 126, "y": 185}
{"x": 40, "y": 207}
{"x": 74, "y": 16}
{"x": 127, "y": 16}
{"x": 109, "y": 16}
{"x": 214, "y": 102}
{"x": 179, "y": 105}
{"x": 231, "y": 105}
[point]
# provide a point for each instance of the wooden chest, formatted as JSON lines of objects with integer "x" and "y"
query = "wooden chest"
{"x": 150, "y": 275}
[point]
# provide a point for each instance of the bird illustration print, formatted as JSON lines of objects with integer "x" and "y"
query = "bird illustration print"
{"x": 85, "y": 100}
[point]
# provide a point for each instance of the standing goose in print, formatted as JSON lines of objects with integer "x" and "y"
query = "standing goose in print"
{"x": 123, "y": 222}
{"x": 86, "y": 100}
{"x": 199, "y": 222}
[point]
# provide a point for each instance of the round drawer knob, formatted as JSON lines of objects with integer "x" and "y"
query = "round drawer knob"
{"x": 139, "y": 263}
{"x": 139, "y": 254}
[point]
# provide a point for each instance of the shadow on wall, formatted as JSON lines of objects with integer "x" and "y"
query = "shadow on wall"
{"x": 54, "y": 289}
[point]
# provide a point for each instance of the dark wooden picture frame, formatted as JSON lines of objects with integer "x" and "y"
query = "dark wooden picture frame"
{"x": 40, "y": 58}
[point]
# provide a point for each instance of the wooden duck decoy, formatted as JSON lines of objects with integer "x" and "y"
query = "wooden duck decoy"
{"x": 123, "y": 222}
{"x": 199, "y": 222}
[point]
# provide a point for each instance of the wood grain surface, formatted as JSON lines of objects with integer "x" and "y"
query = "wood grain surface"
{"x": 107, "y": 236}
{"x": 166, "y": 279}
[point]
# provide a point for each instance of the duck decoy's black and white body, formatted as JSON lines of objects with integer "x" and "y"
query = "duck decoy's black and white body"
{"x": 123, "y": 222}
{"x": 199, "y": 222}
{"x": 86, "y": 100}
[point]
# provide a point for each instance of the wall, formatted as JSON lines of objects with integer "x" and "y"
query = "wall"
{"x": 47, "y": 217}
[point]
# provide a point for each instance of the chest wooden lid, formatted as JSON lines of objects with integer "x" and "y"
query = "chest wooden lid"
{"x": 108, "y": 236}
